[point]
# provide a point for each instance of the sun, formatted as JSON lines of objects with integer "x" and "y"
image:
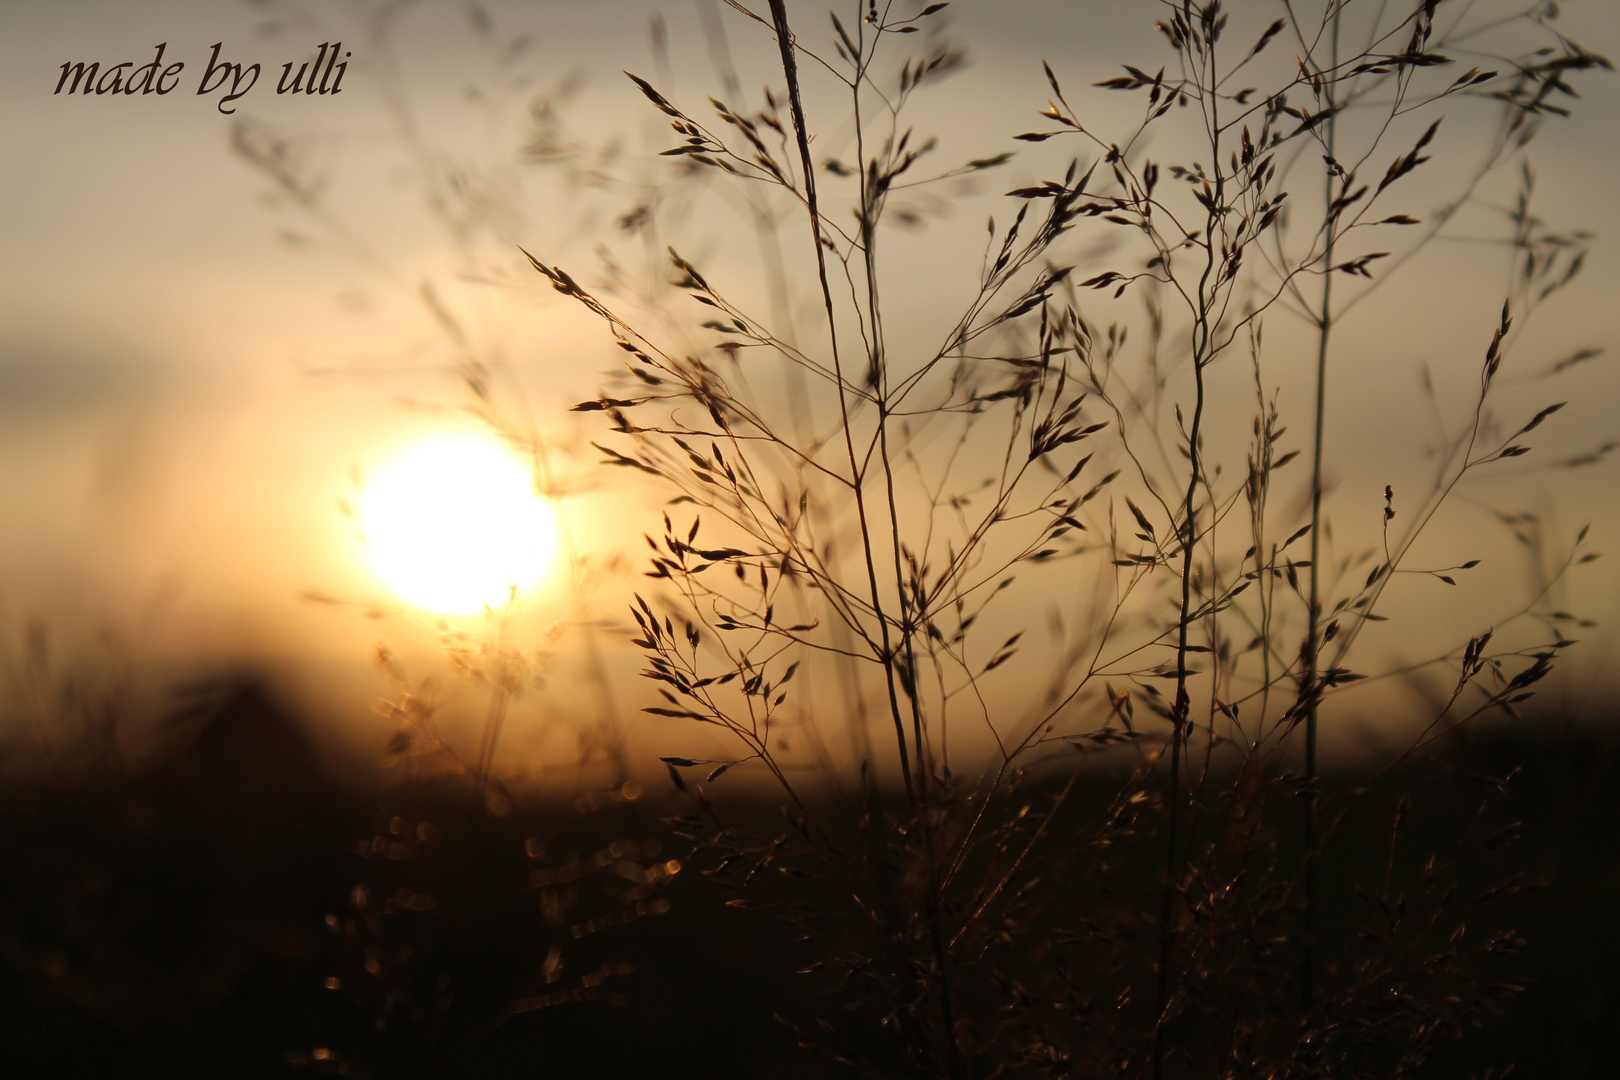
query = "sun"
{"x": 453, "y": 524}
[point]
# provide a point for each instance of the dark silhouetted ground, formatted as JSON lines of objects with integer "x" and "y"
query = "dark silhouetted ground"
{"x": 175, "y": 923}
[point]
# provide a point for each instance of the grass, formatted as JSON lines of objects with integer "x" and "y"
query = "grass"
{"x": 819, "y": 553}
{"x": 1119, "y": 851}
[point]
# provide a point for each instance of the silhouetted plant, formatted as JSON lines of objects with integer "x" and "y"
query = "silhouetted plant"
{"x": 1016, "y": 922}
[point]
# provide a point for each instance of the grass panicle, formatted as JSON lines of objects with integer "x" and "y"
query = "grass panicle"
{"x": 858, "y": 532}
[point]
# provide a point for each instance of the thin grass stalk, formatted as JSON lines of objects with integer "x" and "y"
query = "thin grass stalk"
{"x": 786, "y": 47}
{"x": 1203, "y": 341}
{"x": 1324, "y": 333}
{"x": 878, "y": 378}
{"x": 499, "y": 699}
{"x": 790, "y": 69}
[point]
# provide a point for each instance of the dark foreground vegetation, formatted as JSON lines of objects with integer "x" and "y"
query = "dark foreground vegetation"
{"x": 232, "y": 911}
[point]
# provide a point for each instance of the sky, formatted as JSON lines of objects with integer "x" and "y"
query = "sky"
{"x": 194, "y": 369}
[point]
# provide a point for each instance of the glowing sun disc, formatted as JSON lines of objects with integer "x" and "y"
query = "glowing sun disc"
{"x": 453, "y": 523}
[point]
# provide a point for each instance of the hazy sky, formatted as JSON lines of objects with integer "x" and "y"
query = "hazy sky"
{"x": 171, "y": 467}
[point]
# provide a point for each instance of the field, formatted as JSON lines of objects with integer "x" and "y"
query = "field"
{"x": 171, "y": 924}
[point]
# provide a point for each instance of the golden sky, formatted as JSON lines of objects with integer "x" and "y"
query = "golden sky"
{"x": 192, "y": 369}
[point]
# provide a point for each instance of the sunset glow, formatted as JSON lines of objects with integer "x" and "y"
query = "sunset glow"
{"x": 453, "y": 524}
